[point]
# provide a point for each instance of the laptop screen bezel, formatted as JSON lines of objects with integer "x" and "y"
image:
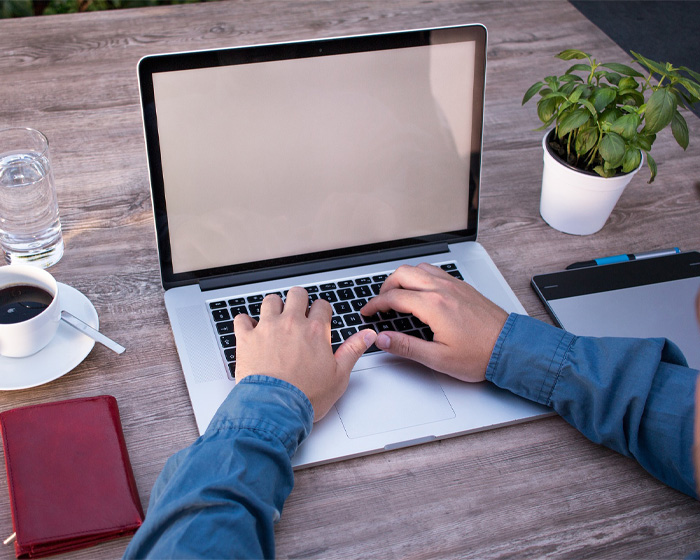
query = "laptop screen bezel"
{"x": 153, "y": 64}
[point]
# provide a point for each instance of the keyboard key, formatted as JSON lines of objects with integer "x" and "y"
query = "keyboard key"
{"x": 384, "y": 326}
{"x": 254, "y": 309}
{"x": 342, "y": 307}
{"x": 358, "y": 304}
{"x": 448, "y": 266}
{"x": 418, "y": 323}
{"x": 346, "y": 294}
{"x": 456, "y": 274}
{"x": 363, "y": 291}
{"x": 380, "y": 278}
{"x": 236, "y": 301}
{"x": 335, "y": 337}
{"x": 352, "y": 319}
{"x": 221, "y": 314}
{"x": 388, "y": 315}
{"x": 363, "y": 281}
{"x": 403, "y": 325}
{"x": 217, "y": 304}
{"x": 238, "y": 310}
{"x": 346, "y": 284}
{"x": 230, "y": 354}
{"x": 337, "y": 323}
{"x": 255, "y": 298}
{"x": 328, "y": 296}
{"x": 427, "y": 334}
{"x": 228, "y": 341}
{"x": 347, "y": 333}
{"x": 232, "y": 369}
{"x": 225, "y": 327}
{"x": 328, "y": 286}
{"x": 376, "y": 288}
{"x": 310, "y": 289}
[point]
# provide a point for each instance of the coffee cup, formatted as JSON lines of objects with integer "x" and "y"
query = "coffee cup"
{"x": 29, "y": 310}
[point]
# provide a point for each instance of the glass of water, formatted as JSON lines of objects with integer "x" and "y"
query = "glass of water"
{"x": 30, "y": 229}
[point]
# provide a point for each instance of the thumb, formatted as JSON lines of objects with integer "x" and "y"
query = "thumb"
{"x": 407, "y": 346}
{"x": 351, "y": 350}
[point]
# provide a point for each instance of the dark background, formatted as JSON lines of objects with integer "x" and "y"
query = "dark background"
{"x": 664, "y": 31}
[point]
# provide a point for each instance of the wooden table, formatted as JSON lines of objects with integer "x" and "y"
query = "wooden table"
{"x": 532, "y": 490}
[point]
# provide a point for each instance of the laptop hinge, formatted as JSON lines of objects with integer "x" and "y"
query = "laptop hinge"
{"x": 274, "y": 273}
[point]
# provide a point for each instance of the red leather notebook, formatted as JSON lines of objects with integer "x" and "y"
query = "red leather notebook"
{"x": 69, "y": 476}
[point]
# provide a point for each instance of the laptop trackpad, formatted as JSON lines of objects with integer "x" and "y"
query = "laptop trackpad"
{"x": 391, "y": 397}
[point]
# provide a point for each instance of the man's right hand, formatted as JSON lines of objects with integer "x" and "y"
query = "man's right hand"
{"x": 465, "y": 324}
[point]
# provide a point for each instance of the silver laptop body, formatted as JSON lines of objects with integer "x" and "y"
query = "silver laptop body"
{"x": 316, "y": 161}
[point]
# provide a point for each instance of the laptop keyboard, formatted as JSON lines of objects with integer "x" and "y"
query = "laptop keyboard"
{"x": 346, "y": 296}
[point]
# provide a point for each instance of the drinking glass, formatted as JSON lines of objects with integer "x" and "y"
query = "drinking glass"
{"x": 30, "y": 228}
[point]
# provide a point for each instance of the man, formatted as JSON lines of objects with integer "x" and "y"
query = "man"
{"x": 221, "y": 496}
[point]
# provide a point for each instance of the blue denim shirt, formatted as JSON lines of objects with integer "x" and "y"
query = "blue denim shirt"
{"x": 221, "y": 496}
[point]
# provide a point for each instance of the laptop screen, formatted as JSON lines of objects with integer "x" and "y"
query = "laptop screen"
{"x": 262, "y": 156}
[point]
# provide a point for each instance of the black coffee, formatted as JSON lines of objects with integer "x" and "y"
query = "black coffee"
{"x": 22, "y": 302}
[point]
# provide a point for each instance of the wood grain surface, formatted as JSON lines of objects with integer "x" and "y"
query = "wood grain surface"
{"x": 528, "y": 491}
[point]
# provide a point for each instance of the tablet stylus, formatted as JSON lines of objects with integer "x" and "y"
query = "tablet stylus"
{"x": 625, "y": 258}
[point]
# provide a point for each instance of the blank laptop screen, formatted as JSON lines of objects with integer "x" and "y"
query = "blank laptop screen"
{"x": 267, "y": 160}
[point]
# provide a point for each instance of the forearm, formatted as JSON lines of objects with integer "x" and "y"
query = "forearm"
{"x": 634, "y": 396}
{"x": 220, "y": 497}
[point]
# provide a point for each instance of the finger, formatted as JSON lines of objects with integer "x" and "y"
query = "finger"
{"x": 297, "y": 301}
{"x": 271, "y": 305}
{"x": 434, "y": 270}
{"x": 243, "y": 323}
{"x": 411, "y": 347}
{"x": 351, "y": 350}
{"x": 403, "y": 301}
{"x": 408, "y": 277}
{"x": 321, "y": 310}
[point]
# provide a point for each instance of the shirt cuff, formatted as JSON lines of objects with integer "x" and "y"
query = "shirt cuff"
{"x": 269, "y": 406}
{"x": 527, "y": 358}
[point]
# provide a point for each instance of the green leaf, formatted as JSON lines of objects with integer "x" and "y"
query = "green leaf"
{"x": 572, "y": 121}
{"x": 612, "y": 77}
{"x": 591, "y": 109}
{"x": 612, "y": 149}
{"x": 534, "y": 88}
{"x": 694, "y": 74}
{"x": 652, "y": 167}
{"x": 632, "y": 159}
{"x": 579, "y": 68}
{"x": 571, "y": 78}
{"x": 644, "y": 141}
{"x": 546, "y": 108}
{"x": 570, "y": 54}
{"x": 552, "y": 82}
{"x": 626, "y": 126}
{"x": 602, "y": 97}
{"x": 622, "y": 69}
{"x": 632, "y": 96}
{"x": 610, "y": 115}
{"x": 653, "y": 66}
{"x": 680, "y": 130}
{"x": 586, "y": 140}
{"x": 628, "y": 83}
{"x": 691, "y": 86}
{"x": 659, "y": 112}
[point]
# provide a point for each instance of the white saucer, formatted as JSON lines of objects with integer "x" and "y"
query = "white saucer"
{"x": 68, "y": 348}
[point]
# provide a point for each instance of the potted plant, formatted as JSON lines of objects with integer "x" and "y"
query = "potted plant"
{"x": 605, "y": 118}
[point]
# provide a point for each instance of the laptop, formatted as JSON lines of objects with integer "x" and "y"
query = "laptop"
{"x": 325, "y": 164}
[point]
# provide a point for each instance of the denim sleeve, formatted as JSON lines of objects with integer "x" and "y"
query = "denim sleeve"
{"x": 220, "y": 497}
{"x": 635, "y": 396}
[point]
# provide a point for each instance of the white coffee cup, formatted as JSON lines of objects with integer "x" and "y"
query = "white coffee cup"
{"x": 28, "y": 336}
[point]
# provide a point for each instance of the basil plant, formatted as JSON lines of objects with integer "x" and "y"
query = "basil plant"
{"x": 608, "y": 115}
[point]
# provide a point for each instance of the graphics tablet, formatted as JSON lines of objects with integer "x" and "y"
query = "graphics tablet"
{"x": 644, "y": 299}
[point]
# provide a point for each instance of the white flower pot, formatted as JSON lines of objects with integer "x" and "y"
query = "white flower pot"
{"x": 574, "y": 201}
